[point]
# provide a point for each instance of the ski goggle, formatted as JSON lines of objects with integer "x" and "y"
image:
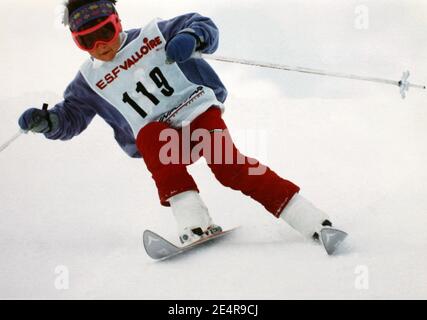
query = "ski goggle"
{"x": 105, "y": 32}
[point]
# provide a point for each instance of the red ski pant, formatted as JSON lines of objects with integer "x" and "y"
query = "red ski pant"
{"x": 159, "y": 144}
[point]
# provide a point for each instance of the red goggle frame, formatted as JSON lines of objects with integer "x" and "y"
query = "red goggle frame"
{"x": 105, "y": 32}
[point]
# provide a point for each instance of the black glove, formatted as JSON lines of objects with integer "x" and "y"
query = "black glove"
{"x": 39, "y": 121}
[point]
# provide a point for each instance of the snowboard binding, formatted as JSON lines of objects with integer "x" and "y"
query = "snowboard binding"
{"x": 193, "y": 235}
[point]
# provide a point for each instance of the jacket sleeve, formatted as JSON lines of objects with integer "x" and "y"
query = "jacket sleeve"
{"x": 196, "y": 24}
{"x": 74, "y": 112}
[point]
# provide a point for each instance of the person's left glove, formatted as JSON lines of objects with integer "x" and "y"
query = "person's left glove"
{"x": 181, "y": 47}
{"x": 38, "y": 121}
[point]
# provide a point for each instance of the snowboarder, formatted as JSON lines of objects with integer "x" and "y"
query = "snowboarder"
{"x": 147, "y": 84}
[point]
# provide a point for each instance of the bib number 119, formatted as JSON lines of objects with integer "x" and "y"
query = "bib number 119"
{"x": 160, "y": 81}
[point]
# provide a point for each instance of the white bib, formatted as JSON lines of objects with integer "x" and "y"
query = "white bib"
{"x": 143, "y": 88}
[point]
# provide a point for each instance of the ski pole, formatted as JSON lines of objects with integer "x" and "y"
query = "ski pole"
{"x": 12, "y": 139}
{"x": 403, "y": 83}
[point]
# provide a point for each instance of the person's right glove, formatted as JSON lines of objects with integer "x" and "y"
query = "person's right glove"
{"x": 39, "y": 121}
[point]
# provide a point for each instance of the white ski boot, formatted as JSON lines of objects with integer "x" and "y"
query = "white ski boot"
{"x": 192, "y": 217}
{"x": 312, "y": 223}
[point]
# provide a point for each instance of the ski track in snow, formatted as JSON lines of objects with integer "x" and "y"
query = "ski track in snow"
{"x": 357, "y": 151}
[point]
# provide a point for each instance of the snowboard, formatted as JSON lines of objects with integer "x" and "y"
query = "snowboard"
{"x": 158, "y": 248}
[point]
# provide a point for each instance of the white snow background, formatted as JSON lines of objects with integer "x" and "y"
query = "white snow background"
{"x": 356, "y": 149}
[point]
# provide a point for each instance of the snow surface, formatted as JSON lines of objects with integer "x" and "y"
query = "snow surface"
{"x": 356, "y": 149}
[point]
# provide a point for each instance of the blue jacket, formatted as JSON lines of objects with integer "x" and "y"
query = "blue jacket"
{"x": 81, "y": 103}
